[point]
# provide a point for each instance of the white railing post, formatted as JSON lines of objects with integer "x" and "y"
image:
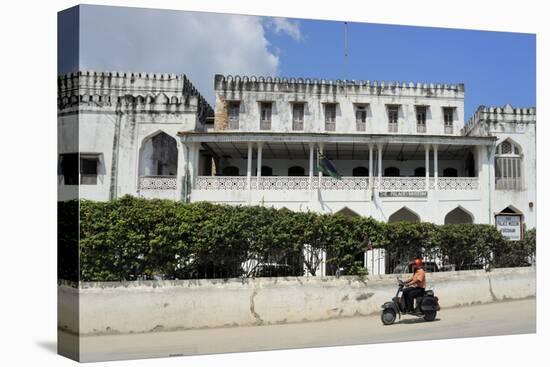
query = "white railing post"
{"x": 259, "y": 165}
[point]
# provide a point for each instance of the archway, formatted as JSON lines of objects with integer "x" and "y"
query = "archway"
{"x": 266, "y": 171}
{"x": 420, "y": 172}
{"x": 404, "y": 215}
{"x": 230, "y": 171}
{"x": 459, "y": 216}
{"x": 159, "y": 156}
{"x": 296, "y": 171}
{"x": 450, "y": 172}
{"x": 347, "y": 212}
{"x": 360, "y": 172}
{"x": 392, "y": 172}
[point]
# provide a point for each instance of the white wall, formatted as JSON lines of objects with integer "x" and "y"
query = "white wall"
{"x": 133, "y": 307}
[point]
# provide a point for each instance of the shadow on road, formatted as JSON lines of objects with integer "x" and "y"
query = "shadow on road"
{"x": 415, "y": 321}
{"x": 48, "y": 345}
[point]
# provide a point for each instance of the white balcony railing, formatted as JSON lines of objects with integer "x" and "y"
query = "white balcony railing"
{"x": 458, "y": 183}
{"x": 283, "y": 183}
{"x": 157, "y": 183}
{"x": 221, "y": 183}
{"x": 400, "y": 183}
{"x": 346, "y": 183}
{"x": 329, "y": 183}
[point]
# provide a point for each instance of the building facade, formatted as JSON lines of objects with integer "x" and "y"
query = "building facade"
{"x": 403, "y": 150}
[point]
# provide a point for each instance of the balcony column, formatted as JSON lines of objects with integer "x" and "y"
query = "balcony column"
{"x": 194, "y": 163}
{"x": 370, "y": 167}
{"x": 427, "y": 164}
{"x": 311, "y": 162}
{"x": 183, "y": 174}
{"x": 318, "y": 157}
{"x": 435, "y": 167}
{"x": 380, "y": 163}
{"x": 259, "y": 165}
{"x": 249, "y": 166}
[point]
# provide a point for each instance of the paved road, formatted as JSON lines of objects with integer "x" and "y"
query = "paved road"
{"x": 513, "y": 317}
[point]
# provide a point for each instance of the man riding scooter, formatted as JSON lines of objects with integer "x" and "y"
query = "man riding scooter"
{"x": 415, "y": 286}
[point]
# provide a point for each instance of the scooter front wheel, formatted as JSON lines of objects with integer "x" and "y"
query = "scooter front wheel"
{"x": 388, "y": 316}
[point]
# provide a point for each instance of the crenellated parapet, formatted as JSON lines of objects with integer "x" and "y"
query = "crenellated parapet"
{"x": 126, "y": 90}
{"x": 485, "y": 117}
{"x": 322, "y": 86}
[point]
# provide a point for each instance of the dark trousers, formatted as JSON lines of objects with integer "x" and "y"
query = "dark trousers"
{"x": 409, "y": 295}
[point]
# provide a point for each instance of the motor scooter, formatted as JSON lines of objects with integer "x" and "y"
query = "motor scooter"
{"x": 427, "y": 306}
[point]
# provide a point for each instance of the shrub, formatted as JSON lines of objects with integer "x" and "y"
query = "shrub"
{"x": 131, "y": 238}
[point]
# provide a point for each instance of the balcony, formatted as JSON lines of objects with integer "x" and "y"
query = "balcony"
{"x": 329, "y": 183}
{"x": 157, "y": 183}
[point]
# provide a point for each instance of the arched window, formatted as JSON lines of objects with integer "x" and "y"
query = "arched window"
{"x": 159, "y": 156}
{"x": 404, "y": 215}
{"x": 360, "y": 171}
{"x": 230, "y": 171}
{"x": 420, "y": 172}
{"x": 458, "y": 216}
{"x": 508, "y": 166}
{"x": 450, "y": 172}
{"x": 392, "y": 172}
{"x": 296, "y": 171}
{"x": 267, "y": 171}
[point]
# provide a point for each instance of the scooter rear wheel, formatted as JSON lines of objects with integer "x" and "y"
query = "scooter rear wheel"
{"x": 388, "y": 316}
{"x": 430, "y": 315}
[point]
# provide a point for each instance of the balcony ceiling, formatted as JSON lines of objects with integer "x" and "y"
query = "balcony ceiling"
{"x": 335, "y": 151}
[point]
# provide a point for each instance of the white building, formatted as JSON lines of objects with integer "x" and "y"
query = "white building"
{"x": 403, "y": 149}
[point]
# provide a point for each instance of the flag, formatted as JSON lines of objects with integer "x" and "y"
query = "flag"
{"x": 327, "y": 167}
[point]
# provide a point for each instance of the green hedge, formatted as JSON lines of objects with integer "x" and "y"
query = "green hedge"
{"x": 131, "y": 238}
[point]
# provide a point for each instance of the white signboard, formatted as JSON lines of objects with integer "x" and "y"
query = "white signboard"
{"x": 509, "y": 226}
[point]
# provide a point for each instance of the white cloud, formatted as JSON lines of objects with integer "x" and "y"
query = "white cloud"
{"x": 199, "y": 45}
{"x": 286, "y": 26}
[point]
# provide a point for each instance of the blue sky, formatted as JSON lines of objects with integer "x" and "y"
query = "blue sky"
{"x": 496, "y": 67}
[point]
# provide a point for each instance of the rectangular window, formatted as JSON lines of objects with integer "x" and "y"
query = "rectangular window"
{"x": 265, "y": 116}
{"x": 69, "y": 168}
{"x": 86, "y": 173}
{"x": 393, "y": 118}
{"x": 330, "y": 116}
{"x": 88, "y": 170}
{"x": 361, "y": 118}
{"x": 298, "y": 116}
{"x": 233, "y": 109}
{"x": 508, "y": 173}
{"x": 421, "y": 119}
{"x": 448, "y": 116}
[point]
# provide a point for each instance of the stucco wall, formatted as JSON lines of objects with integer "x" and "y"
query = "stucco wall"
{"x": 113, "y": 307}
{"x": 282, "y": 93}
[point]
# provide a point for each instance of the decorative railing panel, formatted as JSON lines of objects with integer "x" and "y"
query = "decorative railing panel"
{"x": 157, "y": 183}
{"x": 346, "y": 183}
{"x": 329, "y": 183}
{"x": 221, "y": 183}
{"x": 458, "y": 183}
{"x": 284, "y": 183}
{"x": 401, "y": 183}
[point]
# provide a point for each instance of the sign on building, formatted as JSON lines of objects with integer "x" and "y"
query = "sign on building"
{"x": 403, "y": 194}
{"x": 509, "y": 226}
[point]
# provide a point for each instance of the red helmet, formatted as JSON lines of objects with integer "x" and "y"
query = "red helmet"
{"x": 418, "y": 263}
